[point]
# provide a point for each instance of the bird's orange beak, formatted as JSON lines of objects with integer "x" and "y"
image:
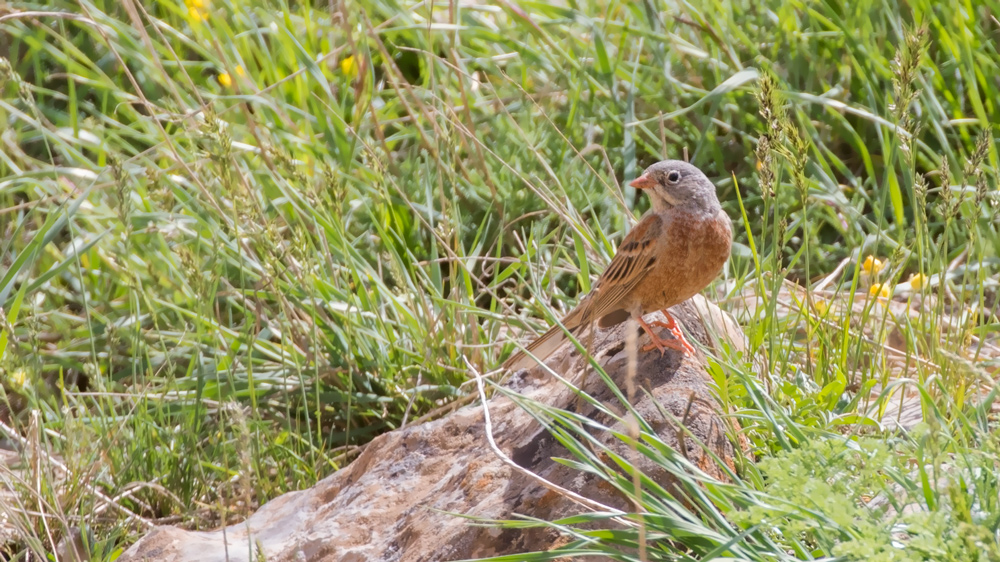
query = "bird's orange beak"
{"x": 643, "y": 182}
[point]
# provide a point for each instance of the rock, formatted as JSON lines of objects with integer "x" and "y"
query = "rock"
{"x": 401, "y": 498}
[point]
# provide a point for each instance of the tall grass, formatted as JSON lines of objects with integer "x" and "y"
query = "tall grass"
{"x": 240, "y": 239}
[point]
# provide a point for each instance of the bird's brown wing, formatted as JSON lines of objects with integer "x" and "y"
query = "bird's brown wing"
{"x": 635, "y": 258}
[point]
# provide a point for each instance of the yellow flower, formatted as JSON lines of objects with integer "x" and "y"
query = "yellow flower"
{"x": 880, "y": 290}
{"x": 240, "y": 71}
{"x": 872, "y": 265}
{"x": 18, "y": 379}
{"x": 197, "y": 9}
{"x": 821, "y": 307}
{"x": 918, "y": 281}
{"x": 225, "y": 79}
{"x": 348, "y": 67}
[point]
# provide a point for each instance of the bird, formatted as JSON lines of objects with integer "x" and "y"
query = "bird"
{"x": 677, "y": 248}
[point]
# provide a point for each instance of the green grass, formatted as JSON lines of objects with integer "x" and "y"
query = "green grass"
{"x": 239, "y": 239}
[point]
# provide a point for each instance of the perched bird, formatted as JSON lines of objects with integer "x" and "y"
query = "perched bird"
{"x": 674, "y": 252}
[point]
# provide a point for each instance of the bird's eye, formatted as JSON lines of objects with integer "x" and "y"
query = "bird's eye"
{"x": 673, "y": 176}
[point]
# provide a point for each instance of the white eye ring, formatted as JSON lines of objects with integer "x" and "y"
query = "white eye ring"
{"x": 673, "y": 176}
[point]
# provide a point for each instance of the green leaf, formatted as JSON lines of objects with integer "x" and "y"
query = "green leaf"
{"x": 603, "y": 61}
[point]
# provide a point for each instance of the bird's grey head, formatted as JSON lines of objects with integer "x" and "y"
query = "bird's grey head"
{"x": 677, "y": 184}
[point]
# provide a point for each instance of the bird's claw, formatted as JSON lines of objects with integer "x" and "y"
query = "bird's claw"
{"x": 679, "y": 342}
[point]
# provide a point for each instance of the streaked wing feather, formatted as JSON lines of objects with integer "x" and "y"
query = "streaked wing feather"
{"x": 634, "y": 259}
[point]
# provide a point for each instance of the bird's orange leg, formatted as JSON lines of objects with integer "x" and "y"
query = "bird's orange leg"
{"x": 679, "y": 342}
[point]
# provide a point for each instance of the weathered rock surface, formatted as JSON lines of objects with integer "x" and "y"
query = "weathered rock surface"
{"x": 400, "y": 499}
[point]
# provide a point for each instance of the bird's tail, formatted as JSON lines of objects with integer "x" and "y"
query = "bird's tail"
{"x": 541, "y": 348}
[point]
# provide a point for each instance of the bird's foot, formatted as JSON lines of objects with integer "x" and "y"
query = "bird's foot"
{"x": 679, "y": 342}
